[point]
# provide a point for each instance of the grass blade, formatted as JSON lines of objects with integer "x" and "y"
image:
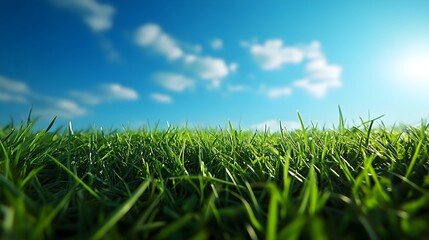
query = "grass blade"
{"x": 272, "y": 212}
{"x": 341, "y": 127}
{"x": 414, "y": 158}
{"x": 51, "y": 124}
{"x": 75, "y": 177}
{"x": 121, "y": 211}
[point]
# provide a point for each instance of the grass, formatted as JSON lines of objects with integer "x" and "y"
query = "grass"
{"x": 362, "y": 182}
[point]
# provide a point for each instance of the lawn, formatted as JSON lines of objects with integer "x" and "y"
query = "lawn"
{"x": 362, "y": 182}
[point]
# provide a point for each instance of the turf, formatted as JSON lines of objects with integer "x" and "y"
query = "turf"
{"x": 361, "y": 182}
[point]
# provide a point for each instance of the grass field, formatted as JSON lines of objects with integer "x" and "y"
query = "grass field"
{"x": 362, "y": 182}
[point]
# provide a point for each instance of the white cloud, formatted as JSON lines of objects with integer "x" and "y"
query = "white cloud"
{"x": 117, "y": 91}
{"x": 216, "y": 43}
{"x": 273, "y": 54}
{"x": 318, "y": 89}
{"x": 321, "y": 70}
{"x": 70, "y": 107}
{"x": 13, "y": 85}
{"x": 63, "y": 108}
{"x": 189, "y": 58}
{"x": 207, "y": 68}
{"x": 275, "y": 92}
{"x": 105, "y": 92}
{"x": 152, "y": 36}
{"x": 86, "y": 97}
{"x": 17, "y": 91}
{"x": 313, "y": 51}
{"x": 98, "y": 16}
{"x": 174, "y": 82}
{"x": 278, "y": 92}
{"x": 161, "y": 98}
{"x": 13, "y": 90}
{"x": 6, "y": 97}
{"x": 321, "y": 77}
{"x": 236, "y": 88}
{"x": 188, "y": 47}
{"x": 274, "y": 125}
{"x": 233, "y": 67}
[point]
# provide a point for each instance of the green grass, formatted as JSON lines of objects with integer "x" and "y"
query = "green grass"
{"x": 362, "y": 182}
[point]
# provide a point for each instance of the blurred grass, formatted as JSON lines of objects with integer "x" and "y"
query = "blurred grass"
{"x": 361, "y": 182}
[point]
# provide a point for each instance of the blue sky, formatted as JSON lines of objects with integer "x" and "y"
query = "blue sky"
{"x": 203, "y": 63}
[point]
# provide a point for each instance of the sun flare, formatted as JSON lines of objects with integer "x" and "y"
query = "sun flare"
{"x": 417, "y": 67}
{"x": 414, "y": 69}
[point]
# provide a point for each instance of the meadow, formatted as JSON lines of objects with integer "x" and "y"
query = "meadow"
{"x": 363, "y": 182}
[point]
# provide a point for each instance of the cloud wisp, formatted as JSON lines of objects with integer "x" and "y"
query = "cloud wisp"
{"x": 98, "y": 16}
{"x": 86, "y": 97}
{"x": 13, "y": 85}
{"x": 69, "y": 108}
{"x": 217, "y": 44}
{"x": 13, "y": 91}
{"x": 273, "y": 54}
{"x": 105, "y": 93}
{"x": 277, "y": 92}
{"x": 152, "y": 37}
{"x": 233, "y": 67}
{"x": 161, "y": 98}
{"x": 207, "y": 68}
{"x": 237, "y": 88}
{"x": 116, "y": 91}
{"x": 8, "y": 97}
{"x": 320, "y": 76}
{"x": 62, "y": 108}
{"x": 174, "y": 82}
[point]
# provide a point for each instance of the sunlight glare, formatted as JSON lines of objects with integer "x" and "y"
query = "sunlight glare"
{"x": 414, "y": 69}
{"x": 417, "y": 67}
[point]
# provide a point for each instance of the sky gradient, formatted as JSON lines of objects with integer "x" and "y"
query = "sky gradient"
{"x": 203, "y": 63}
